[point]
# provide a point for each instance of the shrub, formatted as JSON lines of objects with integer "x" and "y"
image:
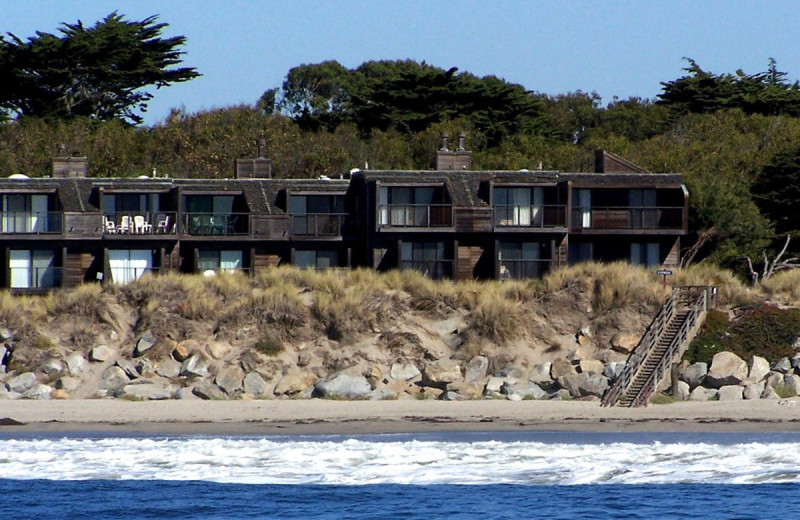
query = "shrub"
{"x": 710, "y": 339}
{"x": 662, "y": 399}
{"x": 270, "y": 345}
{"x": 784, "y": 391}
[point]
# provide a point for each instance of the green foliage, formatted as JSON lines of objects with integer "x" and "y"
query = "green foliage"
{"x": 96, "y": 72}
{"x": 711, "y": 338}
{"x": 785, "y": 392}
{"x": 662, "y": 399}
{"x": 776, "y": 190}
{"x": 270, "y": 345}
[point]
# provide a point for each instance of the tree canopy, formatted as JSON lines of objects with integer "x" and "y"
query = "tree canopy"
{"x": 98, "y": 72}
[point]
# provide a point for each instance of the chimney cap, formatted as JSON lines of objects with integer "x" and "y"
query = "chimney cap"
{"x": 445, "y": 136}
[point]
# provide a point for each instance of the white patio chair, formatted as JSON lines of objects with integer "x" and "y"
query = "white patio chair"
{"x": 109, "y": 226}
{"x": 141, "y": 226}
{"x": 125, "y": 225}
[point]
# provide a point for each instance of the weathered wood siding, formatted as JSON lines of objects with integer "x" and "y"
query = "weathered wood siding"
{"x": 473, "y": 220}
{"x": 271, "y": 227}
{"x": 468, "y": 257}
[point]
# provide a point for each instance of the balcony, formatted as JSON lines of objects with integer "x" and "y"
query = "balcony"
{"x": 541, "y": 216}
{"x": 416, "y": 215}
{"x": 521, "y": 269}
{"x": 123, "y": 224}
{"x": 436, "y": 269}
{"x": 126, "y": 275}
{"x": 35, "y": 277}
{"x": 317, "y": 224}
{"x": 216, "y": 224}
{"x": 26, "y": 222}
{"x": 628, "y": 218}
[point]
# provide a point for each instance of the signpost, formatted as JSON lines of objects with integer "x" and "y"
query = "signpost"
{"x": 664, "y": 273}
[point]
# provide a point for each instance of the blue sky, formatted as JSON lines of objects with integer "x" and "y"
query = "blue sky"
{"x": 620, "y": 48}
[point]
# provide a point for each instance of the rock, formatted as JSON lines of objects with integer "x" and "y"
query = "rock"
{"x": 561, "y": 395}
{"x": 682, "y": 391}
{"x": 9, "y": 395}
{"x": 754, "y": 390}
{"x": 774, "y": 379}
{"x": 343, "y": 385}
{"x": 255, "y": 385}
{"x": 623, "y": 342}
{"x": 694, "y": 374}
{"x": 52, "y": 366}
{"x": 441, "y": 372}
{"x": 113, "y": 378}
{"x": 494, "y": 384}
{"x": 561, "y": 367}
{"x": 703, "y": 394}
{"x": 5, "y": 334}
{"x": 769, "y": 393}
{"x": 470, "y": 390}
{"x": 540, "y": 373}
{"x": 403, "y": 371}
{"x": 149, "y": 391}
{"x": 196, "y": 365}
{"x": 476, "y": 369}
{"x": 374, "y": 375}
{"x": 758, "y": 368}
{"x": 59, "y": 394}
{"x": 181, "y": 353}
{"x": 76, "y": 363}
{"x": 614, "y": 369}
{"x": 383, "y": 393}
{"x": 68, "y": 384}
{"x": 3, "y": 354}
{"x": 219, "y": 349}
{"x": 726, "y": 369}
{"x": 208, "y": 391}
{"x": 101, "y": 354}
{"x": 792, "y": 384}
{"x": 783, "y": 365}
{"x": 795, "y": 362}
{"x": 22, "y": 383}
{"x": 294, "y": 382}
{"x": 731, "y": 393}
{"x": 230, "y": 379}
{"x": 520, "y": 392}
{"x": 39, "y": 392}
{"x": 129, "y": 367}
{"x": 185, "y": 393}
{"x": 430, "y": 393}
{"x": 591, "y": 365}
{"x": 585, "y": 384}
{"x": 168, "y": 368}
{"x": 145, "y": 343}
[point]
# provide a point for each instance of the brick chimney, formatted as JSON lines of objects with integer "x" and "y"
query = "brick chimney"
{"x": 63, "y": 165}
{"x": 254, "y": 168}
{"x": 458, "y": 159}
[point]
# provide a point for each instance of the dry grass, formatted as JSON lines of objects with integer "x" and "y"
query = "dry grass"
{"x": 731, "y": 290}
{"x": 496, "y": 316}
{"x": 784, "y": 285}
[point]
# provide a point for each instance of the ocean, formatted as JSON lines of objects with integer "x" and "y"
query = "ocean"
{"x": 493, "y": 475}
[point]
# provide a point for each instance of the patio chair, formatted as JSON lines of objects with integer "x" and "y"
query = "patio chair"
{"x": 163, "y": 224}
{"x": 125, "y": 225}
{"x": 141, "y": 226}
{"x": 109, "y": 226}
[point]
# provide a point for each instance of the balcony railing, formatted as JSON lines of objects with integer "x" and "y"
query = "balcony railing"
{"x": 216, "y": 224}
{"x": 519, "y": 269}
{"x": 35, "y": 277}
{"x": 541, "y": 216}
{"x": 436, "y": 269}
{"x": 125, "y": 275}
{"x": 213, "y": 271}
{"x": 26, "y": 222}
{"x": 416, "y": 215}
{"x": 627, "y": 217}
{"x": 159, "y": 223}
{"x": 317, "y": 224}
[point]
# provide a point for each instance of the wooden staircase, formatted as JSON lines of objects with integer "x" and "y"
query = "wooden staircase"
{"x": 662, "y": 344}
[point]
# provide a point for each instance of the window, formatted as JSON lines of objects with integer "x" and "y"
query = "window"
{"x": 130, "y": 203}
{"x": 644, "y": 213}
{"x": 323, "y": 259}
{"x": 127, "y": 265}
{"x": 580, "y": 252}
{"x": 216, "y": 215}
{"x": 584, "y": 213}
{"x": 521, "y": 260}
{"x": 316, "y": 214}
{"x": 427, "y": 257}
{"x": 28, "y": 214}
{"x": 414, "y": 206}
{"x": 646, "y": 253}
{"x": 518, "y": 206}
{"x": 33, "y": 269}
{"x": 219, "y": 261}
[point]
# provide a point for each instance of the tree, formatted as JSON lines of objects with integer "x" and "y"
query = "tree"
{"x": 98, "y": 72}
{"x": 776, "y": 191}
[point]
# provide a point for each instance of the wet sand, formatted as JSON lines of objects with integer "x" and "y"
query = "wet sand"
{"x": 289, "y": 417}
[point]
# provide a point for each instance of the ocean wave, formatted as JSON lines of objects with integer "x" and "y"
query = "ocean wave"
{"x": 412, "y": 462}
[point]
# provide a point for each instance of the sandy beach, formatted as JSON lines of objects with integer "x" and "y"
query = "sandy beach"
{"x": 286, "y": 417}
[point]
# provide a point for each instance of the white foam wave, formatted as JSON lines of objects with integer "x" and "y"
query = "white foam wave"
{"x": 357, "y": 462}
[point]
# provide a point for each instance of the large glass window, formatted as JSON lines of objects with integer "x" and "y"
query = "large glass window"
{"x": 128, "y": 265}
{"x": 521, "y": 260}
{"x": 414, "y": 206}
{"x": 219, "y": 260}
{"x": 316, "y": 215}
{"x": 317, "y": 259}
{"x": 646, "y": 253}
{"x": 521, "y": 206}
{"x": 427, "y": 257}
{"x": 28, "y": 214}
{"x": 33, "y": 269}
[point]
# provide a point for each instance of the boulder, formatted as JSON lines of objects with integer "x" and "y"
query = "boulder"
{"x": 624, "y": 342}
{"x": 130, "y": 368}
{"x": 343, "y": 385}
{"x": 76, "y": 363}
{"x": 731, "y": 393}
{"x": 181, "y": 353}
{"x": 450, "y": 395}
{"x": 101, "y": 354}
{"x": 208, "y": 391}
{"x": 219, "y": 349}
{"x": 754, "y": 390}
{"x": 168, "y": 368}
{"x": 774, "y": 379}
{"x": 726, "y": 369}
{"x": 3, "y": 354}
{"x": 494, "y": 384}
{"x": 468, "y": 389}
{"x": 294, "y": 382}
{"x": 149, "y": 391}
{"x": 614, "y": 369}
{"x": 700, "y": 393}
{"x": 146, "y": 342}
{"x": 694, "y": 374}
{"x": 230, "y": 379}
{"x": 591, "y": 365}
{"x": 59, "y": 394}
{"x": 404, "y": 371}
{"x": 185, "y": 393}
{"x": 196, "y": 365}
{"x": 783, "y": 365}
{"x": 383, "y": 393}
{"x": 38, "y": 391}
{"x": 560, "y": 395}
{"x": 795, "y": 362}
{"x": 520, "y": 391}
{"x": 5, "y": 334}
{"x": 758, "y": 368}
{"x": 22, "y": 383}
{"x": 560, "y": 368}
{"x": 682, "y": 391}
{"x": 441, "y": 372}
{"x": 68, "y": 383}
{"x": 255, "y": 385}
{"x": 585, "y": 384}
{"x": 113, "y": 378}
{"x": 476, "y": 369}
{"x": 792, "y": 384}
{"x": 769, "y": 393}
{"x": 8, "y": 395}
{"x": 540, "y": 373}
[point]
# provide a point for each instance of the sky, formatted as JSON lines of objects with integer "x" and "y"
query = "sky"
{"x": 615, "y": 48}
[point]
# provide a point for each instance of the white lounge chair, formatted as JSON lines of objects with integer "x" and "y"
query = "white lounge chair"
{"x": 109, "y": 226}
{"x": 125, "y": 225}
{"x": 141, "y": 226}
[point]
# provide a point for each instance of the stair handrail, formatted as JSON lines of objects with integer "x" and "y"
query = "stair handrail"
{"x": 664, "y": 364}
{"x": 648, "y": 341}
